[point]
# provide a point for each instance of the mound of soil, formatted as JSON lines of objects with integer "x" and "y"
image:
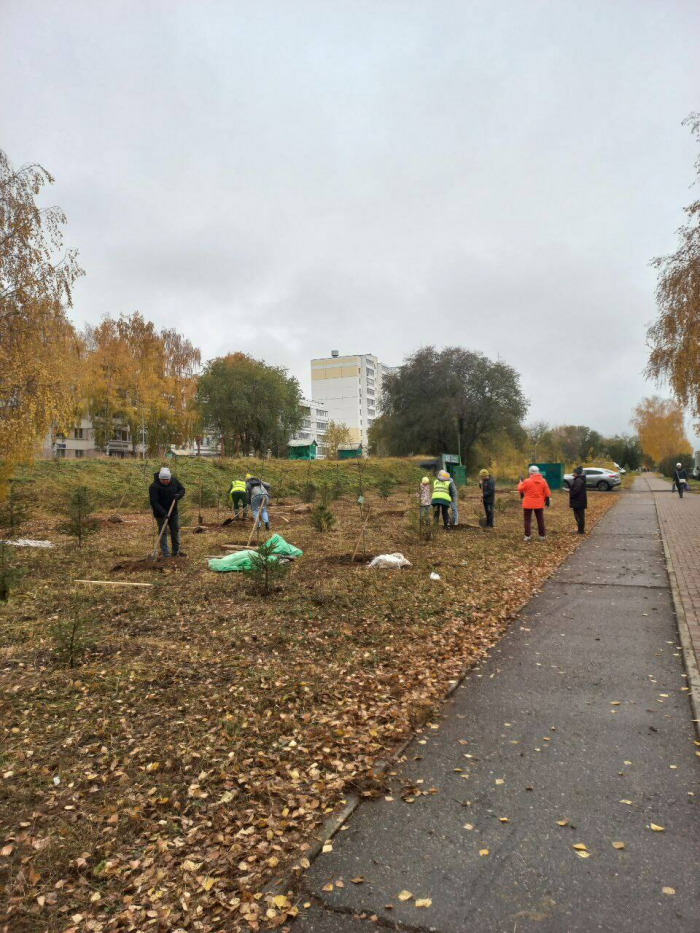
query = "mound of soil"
{"x": 145, "y": 563}
{"x": 336, "y": 560}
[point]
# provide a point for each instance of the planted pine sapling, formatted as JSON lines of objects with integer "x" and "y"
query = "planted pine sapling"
{"x": 14, "y": 511}
{"x": 322, "y": 518}
{"x": 8, "y": 573}
{"x": 70, "y": 632}
{"x": 81, "y": 521}
{"x": 266, "y": 569}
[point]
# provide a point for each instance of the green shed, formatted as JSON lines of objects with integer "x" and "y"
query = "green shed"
{"x": 349, "y": 451}
{"x": 553, "y": 473}
{"x": 301, "y": 450}
{"x": 451, "y": 463}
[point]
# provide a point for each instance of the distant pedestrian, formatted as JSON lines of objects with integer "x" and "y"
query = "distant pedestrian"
{"x": 454, "y": 505}
{"x": 535, "y": 494}
{"x": 239, "y": 500}
{"x": 488, "y": 495}
{"x": 578, "y": 499}
{"x": 163, "y": 491}
{"x": 441, "y": 498}
{"x": 258, "y": 496}
{"x": 680, "y": 478}
{"x": 425, "y": 497}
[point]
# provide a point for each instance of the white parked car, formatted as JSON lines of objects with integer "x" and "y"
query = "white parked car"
{"x": 596, "y": 478}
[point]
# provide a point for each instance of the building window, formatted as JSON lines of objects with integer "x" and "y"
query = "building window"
{"x": 79, "y": 454}
{"x": 78, "y": 434}
{"x": 61, "y": 452}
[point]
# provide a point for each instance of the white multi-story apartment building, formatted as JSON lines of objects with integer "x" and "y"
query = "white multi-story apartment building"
{"x": 350, "y": 387}
{"x": 313, "y": 427}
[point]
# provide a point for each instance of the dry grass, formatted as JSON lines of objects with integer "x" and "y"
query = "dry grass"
{"x": 206, "y": 731}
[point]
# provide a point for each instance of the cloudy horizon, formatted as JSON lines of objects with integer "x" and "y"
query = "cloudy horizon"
{"x": 371, "y": 177}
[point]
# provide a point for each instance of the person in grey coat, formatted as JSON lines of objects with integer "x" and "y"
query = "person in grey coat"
{"x": 258, "y": 495}
{"x": 454, "y": 505}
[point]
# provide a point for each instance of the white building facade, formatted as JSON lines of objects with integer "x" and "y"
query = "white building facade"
{"x": 350, "y": 388}
{"x": 314, "y": 425}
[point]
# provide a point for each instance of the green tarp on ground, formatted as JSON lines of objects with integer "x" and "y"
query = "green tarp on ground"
{"x": 241, "y": 560}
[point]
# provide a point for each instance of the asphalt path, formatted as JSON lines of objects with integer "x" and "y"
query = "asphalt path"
{"x": 579, "y": 717}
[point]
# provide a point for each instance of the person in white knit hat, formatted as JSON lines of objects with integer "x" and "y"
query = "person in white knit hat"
{"x": 163, "y": 491}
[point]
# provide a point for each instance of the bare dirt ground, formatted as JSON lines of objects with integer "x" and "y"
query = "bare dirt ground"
{"x": 204, "y": 732}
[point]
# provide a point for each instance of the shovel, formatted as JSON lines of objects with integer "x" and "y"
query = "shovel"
{"x": 154, "y": 556}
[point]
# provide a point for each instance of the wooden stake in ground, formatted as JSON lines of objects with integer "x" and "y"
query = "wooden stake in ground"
{"x": 263, "y": 505}
{"x": 360, "y": 537}
{"x": 112, "y": 583}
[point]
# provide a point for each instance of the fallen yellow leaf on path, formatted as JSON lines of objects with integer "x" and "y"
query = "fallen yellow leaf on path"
{"x": 504, "y": 819}
{"x": 656, "y": 828}
{"x": 583, "y": 854}
{"x": 469, "y": 826}
{"x": 328, "y": 887}
{"x": 282, "y": 902}
{"x": 500, "y": 781}
{"x": 483, "y": 852}
{"x": 579, "y": 846}
{"x": 405, "y": 896}
{"x": 424, "y": 902}
{"x": 618, "y": 845}
{"x": 667, "y": 890}
{"x": 628, "y": 802}
{"x": 562, "y": 822}
{"x": 328, "y": 847}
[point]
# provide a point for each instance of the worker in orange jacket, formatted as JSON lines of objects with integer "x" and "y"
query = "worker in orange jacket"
{"x": 535, "y": 494}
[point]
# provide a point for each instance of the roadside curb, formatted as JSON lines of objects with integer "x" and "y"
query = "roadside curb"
{"x": 689, "y": 659}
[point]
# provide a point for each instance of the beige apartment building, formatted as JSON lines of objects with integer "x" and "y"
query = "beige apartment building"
{"x": 349, "y": 388}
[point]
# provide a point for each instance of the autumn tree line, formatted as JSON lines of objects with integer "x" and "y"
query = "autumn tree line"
{"x": 125, "y": 372}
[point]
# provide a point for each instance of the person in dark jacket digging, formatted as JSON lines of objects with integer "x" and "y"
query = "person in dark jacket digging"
{"x": 163, "y": 491}
{"x": 680, "y": 477}
{"x": 578, "y": 499}
{"x": 488, "y": 495}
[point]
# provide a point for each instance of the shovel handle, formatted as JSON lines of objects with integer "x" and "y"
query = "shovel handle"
{"x": 162, "y": 530}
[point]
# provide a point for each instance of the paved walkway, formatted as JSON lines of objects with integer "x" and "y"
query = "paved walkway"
{"x": 680, "y": 527}
{"x": 579, "y": 717}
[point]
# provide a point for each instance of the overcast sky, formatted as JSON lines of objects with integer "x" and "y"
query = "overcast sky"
{"x": 288, "y": 178}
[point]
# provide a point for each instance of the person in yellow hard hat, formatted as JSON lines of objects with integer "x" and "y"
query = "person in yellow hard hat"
{"x": 239, "y": 500}
{"x": 488, "y": 495}
{"x": 441, "y": 498}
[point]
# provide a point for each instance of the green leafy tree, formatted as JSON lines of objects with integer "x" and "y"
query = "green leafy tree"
{"x": 251, "y": 405}
{"x": 624, "y": 450}
{"x": 438, "y": 401}
{"x": 668, "y": 464}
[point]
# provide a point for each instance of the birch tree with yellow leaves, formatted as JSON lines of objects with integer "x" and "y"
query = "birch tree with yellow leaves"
{"x": 38, "y": 345}
{"x": 659, "y": 423}
{"x": 138, "y": 377}
{"x": 675, "y": 336}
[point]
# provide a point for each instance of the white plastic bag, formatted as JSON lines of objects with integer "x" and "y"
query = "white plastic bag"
{"x": 434, "y": 576}
{"x": 390, "y": 561}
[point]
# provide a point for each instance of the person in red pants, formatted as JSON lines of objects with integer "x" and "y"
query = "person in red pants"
{"x": 535, "y": 494}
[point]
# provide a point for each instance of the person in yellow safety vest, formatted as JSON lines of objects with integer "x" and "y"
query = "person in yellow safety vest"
{"x": 442, "y": 499}
{"x": 238, "y": 497}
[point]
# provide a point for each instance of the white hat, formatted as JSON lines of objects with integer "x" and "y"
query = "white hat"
{"x": 164, "y": 473}
{"x": 534, "y": 469}
{"x": 679, "y": 465}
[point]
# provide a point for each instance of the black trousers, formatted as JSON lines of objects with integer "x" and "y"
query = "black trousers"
{"x": 488, "y": 509}
{"x": 580, "y": 516}
{"x": 443, "y": 507}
